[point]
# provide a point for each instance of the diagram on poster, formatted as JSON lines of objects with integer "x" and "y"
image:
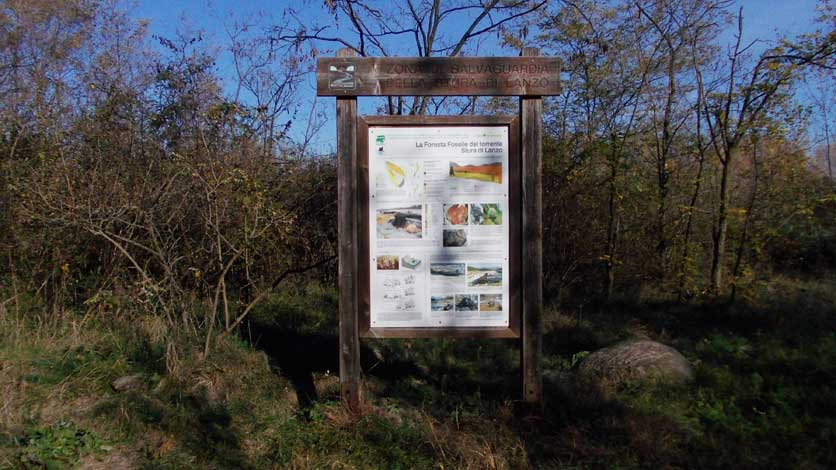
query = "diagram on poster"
{"x": 438, "y": 226}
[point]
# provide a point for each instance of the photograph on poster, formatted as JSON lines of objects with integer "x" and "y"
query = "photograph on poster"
{"x": 454, "y": 238}
{"x": 410, "y": 262}
{"x": 467, "y": 302}
{"x": 488, "y": 172}
{"x": 490, "y": 302}
{"x": 484, "y": 275}
{"x": 447, "y": 276}
{"x": 387, "y": 263}
{"x": 400, "y": 223}
{"x": 486, "y": 214}
{"x": 442, "y": 303}
{"x": 455, "y": 214}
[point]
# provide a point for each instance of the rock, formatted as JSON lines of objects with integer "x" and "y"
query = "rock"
{"x": 456, "y": 237}
{"x": 637, "y": 360}
{"x": 457, "y": 214}
{"x": 128, "y": 383}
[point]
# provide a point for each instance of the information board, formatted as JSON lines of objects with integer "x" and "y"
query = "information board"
{"x": 439, "y": 217}
{"x": 438, "y": 226}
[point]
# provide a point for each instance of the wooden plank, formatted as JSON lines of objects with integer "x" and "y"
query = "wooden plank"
{"x": 457, "y": 332}
{"x": 515, "y": 314}
{"x": 438, "y": 76}
{"x": 395, "y": 121}
{"x": 364, "y": 279}
{"x": 532, "y": 246}
{"x": 350, "y": 373}
{"x": 515, "y": 227}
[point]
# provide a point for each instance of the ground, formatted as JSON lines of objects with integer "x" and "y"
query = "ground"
{"x": 762, "y": 398}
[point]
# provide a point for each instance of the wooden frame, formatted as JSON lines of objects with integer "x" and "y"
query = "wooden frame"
{"x": 514, "y": 224}
{"x": 530, "y": 77}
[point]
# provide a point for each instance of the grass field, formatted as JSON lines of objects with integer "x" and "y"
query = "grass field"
{"x": 763, "y": 396}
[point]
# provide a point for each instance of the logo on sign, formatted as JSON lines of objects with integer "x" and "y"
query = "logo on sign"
{"x": 379, "y": 141}
{"x": 341, "y": 76}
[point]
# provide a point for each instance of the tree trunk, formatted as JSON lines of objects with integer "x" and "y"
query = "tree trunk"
{"x": 719, "y": 249}
{"x": 827, "y": 148}
{"x": 689, "y": 225}
{"x": 662, "y": 240}
{"x": 612, "y": 234}
{"x": 697, "y": 185}
{"x": 663, "y": 153}
{"x": 743, "y": 236}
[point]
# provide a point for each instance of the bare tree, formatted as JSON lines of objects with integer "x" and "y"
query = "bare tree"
{"x": 604, "y": 88}
{"x": 701, "y": 149}
{"x": 677, "y": 25}
{"x": 266, "y": 80}
{"x": 423, "y": 28}
{"x": 821, "y": 93}
{"x": 731, "y": 115}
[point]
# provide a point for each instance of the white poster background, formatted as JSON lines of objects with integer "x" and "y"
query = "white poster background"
{"x": 438, "y": 225}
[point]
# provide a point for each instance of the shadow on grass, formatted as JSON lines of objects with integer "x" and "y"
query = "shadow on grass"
{"x": 757, "y": 361}
{"x": 298, "y": 356}
{"x": 203, "y": 428}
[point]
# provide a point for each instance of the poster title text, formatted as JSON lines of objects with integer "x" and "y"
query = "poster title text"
{"x": 472, "y": 146}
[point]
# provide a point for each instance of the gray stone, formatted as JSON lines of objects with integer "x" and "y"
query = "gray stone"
{"x": 128, "y": 383}
{"x": 637, "y": 360}
{"x": 455, "y": 237}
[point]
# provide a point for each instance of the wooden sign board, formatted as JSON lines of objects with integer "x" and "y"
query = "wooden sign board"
{"x": 440, "y": 226}
{"x": 516, "y": 141}
{"x": 436, "y": 76}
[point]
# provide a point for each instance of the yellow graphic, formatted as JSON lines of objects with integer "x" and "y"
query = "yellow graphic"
{"x": 396, "y": 174}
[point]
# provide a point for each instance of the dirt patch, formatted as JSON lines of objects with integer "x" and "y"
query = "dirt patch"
{"x": 120, "y": 458}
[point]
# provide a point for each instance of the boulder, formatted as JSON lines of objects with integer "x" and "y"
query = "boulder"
{"x": 637, "y": 360}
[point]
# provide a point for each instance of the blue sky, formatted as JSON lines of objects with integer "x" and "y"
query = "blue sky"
{"x": 763, "y": 19}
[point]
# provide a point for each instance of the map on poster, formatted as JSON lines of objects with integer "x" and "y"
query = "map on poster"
{"x": 438, "y": 227}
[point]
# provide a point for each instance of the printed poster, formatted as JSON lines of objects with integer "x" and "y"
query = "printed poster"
{"x": 438, "y": 225}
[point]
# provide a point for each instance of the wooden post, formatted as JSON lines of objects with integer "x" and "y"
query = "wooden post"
{"x": 347, "y": 175}
{"x": 532, "y": 246}
{"x": 530, "y": 77}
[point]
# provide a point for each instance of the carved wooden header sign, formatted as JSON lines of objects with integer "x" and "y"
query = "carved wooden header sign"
{"x": 495, "y": 76}
{"x": 440, "y": 217}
